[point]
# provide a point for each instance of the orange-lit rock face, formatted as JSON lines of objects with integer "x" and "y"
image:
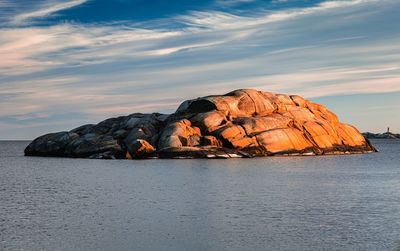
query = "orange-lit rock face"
{"x": 140, "y": 149}
{"x": 283, "y": 140}
{"x": 254, "y": 125}
{"x": 240, "y": 123}
{"x": 350, "y": 135}
{"x": 236, "y": 103}
{"x": 179, "y": 134}
{"x": 273, "y": 124}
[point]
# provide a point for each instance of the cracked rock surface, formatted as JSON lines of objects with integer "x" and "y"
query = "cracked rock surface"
{"x": 242, "y": 123}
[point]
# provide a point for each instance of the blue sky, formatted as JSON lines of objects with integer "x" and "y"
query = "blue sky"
{"x": 67, "y": 63}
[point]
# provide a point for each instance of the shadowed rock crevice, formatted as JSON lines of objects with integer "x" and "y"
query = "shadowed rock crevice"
{"x": 241, "y": 123}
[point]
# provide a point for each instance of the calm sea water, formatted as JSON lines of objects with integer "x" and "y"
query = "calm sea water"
{"x": 282, "y": 203}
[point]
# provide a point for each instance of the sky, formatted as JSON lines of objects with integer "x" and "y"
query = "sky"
{"x": 68, "y": 63}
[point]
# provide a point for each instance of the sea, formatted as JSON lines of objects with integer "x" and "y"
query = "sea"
{"x": 348, "y": 202}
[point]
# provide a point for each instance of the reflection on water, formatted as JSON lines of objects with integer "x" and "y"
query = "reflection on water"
{"x": 288, "y": 203}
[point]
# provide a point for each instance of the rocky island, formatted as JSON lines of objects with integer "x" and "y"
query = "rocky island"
{"x": 241, "y": 123}
{"x": 385, "y": 135}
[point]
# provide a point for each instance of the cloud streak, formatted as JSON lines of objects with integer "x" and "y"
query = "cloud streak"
{"x": 112, "y": 69}
{"x": 46, "y": 10}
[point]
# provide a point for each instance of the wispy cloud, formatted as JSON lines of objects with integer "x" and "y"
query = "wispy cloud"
{"x": 230, "y": 3}
{"x": 112, "y": 69}
{"x": 27, "y": 50}
{"x": 46, "y": 10}
{"x": 222, "y": 20}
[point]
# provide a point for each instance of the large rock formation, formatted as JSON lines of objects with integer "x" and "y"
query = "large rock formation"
{"x": 242, "y": 123}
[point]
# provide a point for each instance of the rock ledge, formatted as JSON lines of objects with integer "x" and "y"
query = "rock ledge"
{"x": 242, "y": 123}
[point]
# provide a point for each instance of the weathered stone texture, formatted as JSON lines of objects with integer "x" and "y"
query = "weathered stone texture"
{"x": 241, "y": 123}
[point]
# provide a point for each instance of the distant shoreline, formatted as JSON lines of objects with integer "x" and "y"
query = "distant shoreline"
{"x": 386, "y": 135}
{"x": 368, "y": 135}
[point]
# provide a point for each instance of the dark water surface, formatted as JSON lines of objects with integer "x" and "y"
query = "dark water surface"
{"x": 282, "y": 203}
